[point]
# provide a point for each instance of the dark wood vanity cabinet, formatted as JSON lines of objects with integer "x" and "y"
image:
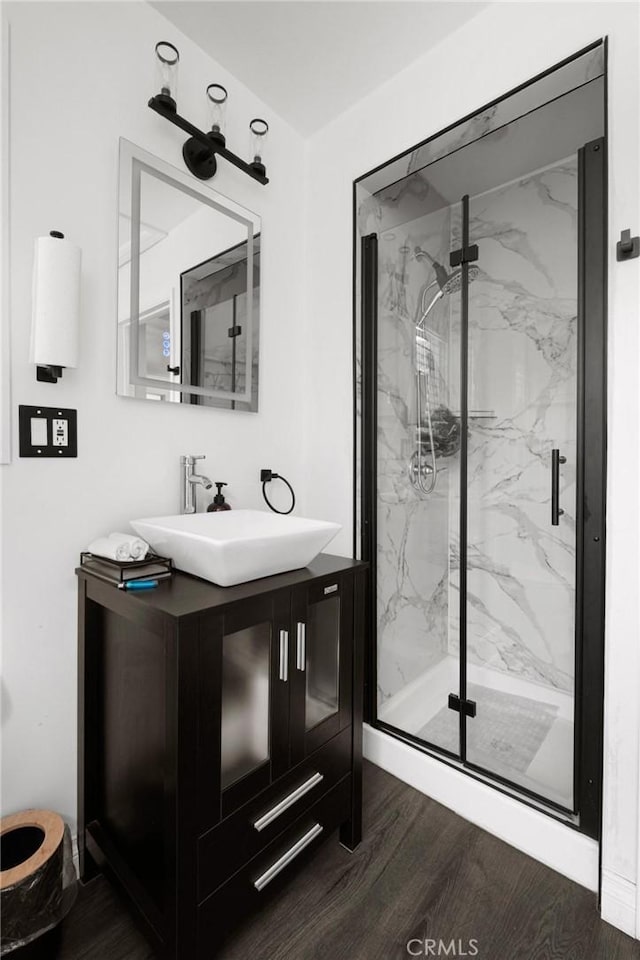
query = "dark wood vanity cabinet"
{"x": 220, "y": 740}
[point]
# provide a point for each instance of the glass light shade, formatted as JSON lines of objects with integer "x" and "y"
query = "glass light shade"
{"x": 167, "y": 58}
{"x": 217, "y": 106}
{"x": 259, "y": 130}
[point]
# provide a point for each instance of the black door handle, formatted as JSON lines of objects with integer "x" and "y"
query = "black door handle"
{"x": 556, "y": 509}
{"x": 175, "y": 370}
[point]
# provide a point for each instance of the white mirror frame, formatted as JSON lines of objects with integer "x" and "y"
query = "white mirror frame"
{"x": 133, "y": 161}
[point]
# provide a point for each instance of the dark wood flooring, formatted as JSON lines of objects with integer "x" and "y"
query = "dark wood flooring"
{"x": 420, "y": 872}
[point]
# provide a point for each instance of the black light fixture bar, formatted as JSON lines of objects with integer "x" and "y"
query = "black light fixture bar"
{"x": 211, "y": 146}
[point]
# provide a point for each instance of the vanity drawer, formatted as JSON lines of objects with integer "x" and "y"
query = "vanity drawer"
{"x": 271, "y": 869}
{"x": 243, "y": 834}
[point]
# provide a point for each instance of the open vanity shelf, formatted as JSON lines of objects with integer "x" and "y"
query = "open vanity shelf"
{"x": 219, "y": 740}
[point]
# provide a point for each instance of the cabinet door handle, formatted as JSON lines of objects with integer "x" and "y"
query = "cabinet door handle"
{"x": 288, "y": 801}
{"x": 284, "y": 655}
{"x": 301, "y": 646}
{"x": 287, "y": 857}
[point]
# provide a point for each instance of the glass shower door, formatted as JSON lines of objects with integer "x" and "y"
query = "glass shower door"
{"x": 418, "y": 477}
{"x": 521, "y": 490}
{"x": 476, "y": 478}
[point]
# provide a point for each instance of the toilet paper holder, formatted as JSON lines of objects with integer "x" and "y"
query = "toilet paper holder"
{"x": 56, "y": 306}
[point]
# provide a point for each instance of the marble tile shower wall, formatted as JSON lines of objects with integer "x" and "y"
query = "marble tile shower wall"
{"x": 522, "y": 370}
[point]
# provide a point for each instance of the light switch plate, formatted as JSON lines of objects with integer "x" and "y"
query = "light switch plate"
{"x": 48, "y": 432}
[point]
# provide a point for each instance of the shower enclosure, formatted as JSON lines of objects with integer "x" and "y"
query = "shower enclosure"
{"x": 480, "y": 437}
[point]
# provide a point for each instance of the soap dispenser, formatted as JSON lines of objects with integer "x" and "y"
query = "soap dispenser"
{"x": 219, "y": 503}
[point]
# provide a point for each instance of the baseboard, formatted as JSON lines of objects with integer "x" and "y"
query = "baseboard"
{"x": 547, "y": 840}
{"x": 618, "y": 902}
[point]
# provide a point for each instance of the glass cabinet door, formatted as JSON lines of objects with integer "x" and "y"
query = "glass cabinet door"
{"x": 244, "y": 694}
{"x": 322, "y": 660}
{"x": 244, "y": 725}
{"x": 323, "y": 623}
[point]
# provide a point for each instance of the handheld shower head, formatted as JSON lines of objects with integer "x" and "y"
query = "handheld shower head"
{"x": 440, "y": 272}
{"x": 452, "y": 283}
{"x": 448, "y": 282}
{"x": 454, "y": 280}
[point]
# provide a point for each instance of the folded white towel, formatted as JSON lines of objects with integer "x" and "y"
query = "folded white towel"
{"x": 138, "y": 548}
{"x": 105, "y": 547}
{"x": 120, "y": 546}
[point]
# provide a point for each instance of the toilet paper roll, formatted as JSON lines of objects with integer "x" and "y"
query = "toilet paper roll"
{"x": 56, "y": 302}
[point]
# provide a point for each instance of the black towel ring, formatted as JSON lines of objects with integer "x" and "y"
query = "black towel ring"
{"x": 276, "y": 476}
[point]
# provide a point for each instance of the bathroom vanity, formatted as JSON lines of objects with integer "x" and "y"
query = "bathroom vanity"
{"x": 219, "y": 740}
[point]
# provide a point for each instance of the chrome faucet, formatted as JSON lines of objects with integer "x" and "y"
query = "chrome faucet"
{"x": 189, "y": 479}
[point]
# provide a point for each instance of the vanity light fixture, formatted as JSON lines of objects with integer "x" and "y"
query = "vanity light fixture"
{"x": 217, "y": 102}
{"x": 167, "y": 59}
{"x": 259, "y": 130}
{"x": 201, "y": 149}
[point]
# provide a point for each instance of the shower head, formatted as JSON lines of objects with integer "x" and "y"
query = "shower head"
{"x": 452, "y": 283}
{"x": 440, "y": 271}
{"x": 448, "y": 282}
{"x": 454, "y": 280}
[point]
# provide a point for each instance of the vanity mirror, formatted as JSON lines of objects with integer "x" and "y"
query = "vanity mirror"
{"x": 188, "y": 289}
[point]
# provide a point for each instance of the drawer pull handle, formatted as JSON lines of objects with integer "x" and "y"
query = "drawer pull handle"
{"x": 284, "y": 655}
{"x": 301, "y": 646}
{"x": 288, "y": 801}
{"x": 287, "y": 857}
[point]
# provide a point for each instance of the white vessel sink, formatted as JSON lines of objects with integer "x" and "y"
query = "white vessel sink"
{"x": 236, "y": 545}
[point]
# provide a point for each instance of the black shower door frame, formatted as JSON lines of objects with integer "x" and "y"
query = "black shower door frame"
{"x": 590, "y": 499}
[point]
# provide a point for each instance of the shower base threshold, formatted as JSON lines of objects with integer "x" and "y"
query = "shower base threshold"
{"x": 536, "y": 830}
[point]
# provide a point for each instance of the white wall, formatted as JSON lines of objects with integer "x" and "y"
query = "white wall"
{"x": 5, "y": 361}
{"x": 81, "y": 76}
{"x": 501, "y": 47}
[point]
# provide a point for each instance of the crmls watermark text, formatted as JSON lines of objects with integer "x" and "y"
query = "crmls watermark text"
{"x": 442, "y": 948}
